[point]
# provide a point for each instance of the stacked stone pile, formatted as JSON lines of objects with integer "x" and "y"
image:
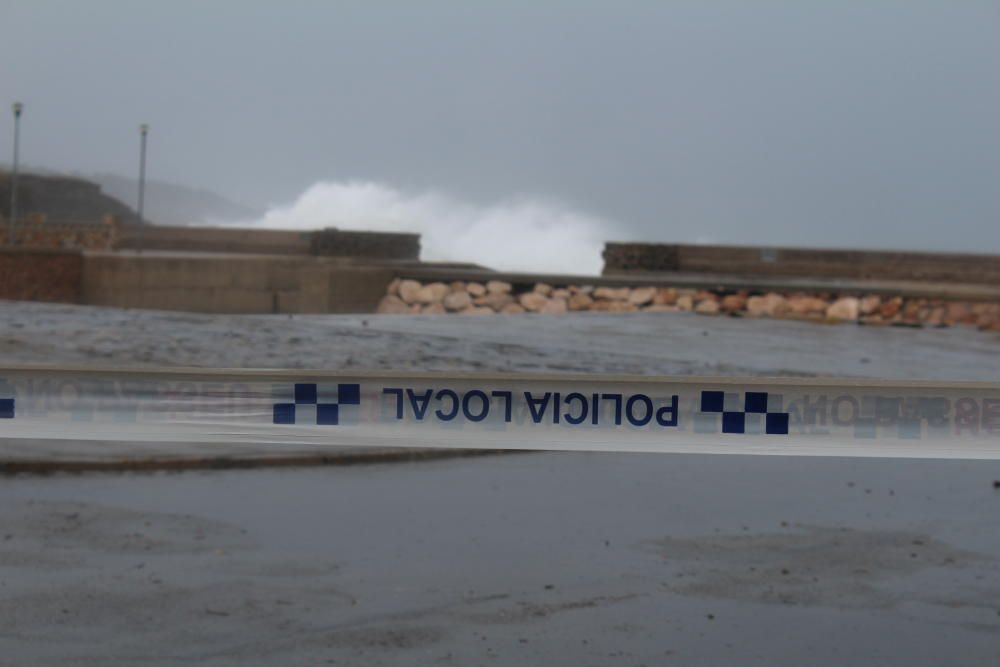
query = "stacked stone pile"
{"x": 495, "y": 296}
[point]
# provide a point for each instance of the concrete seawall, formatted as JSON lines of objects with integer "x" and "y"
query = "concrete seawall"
{"x": 225, "y": 270}
{"x": 212, "y": 239}
{"x": 322, "y": 242}
{"x": 202, "y": 269}
{"x": 218, "y": 283}
{"x": 634, "y": 258}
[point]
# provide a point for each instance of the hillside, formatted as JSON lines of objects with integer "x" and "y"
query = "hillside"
{"x": 61, "y": 199}
{"x": 88, "y": 198}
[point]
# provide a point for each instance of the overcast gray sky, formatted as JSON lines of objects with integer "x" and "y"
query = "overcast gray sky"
{"x": 864, "y": 123}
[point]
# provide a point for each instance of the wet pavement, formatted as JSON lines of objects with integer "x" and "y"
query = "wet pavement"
{"x": 564, "y": 559}
{"x": 574, "y": 559}
{"x": 638, "y": 343}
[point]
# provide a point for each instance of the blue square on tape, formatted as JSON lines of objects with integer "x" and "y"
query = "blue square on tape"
{"x": 733, "y": 422}
{"x": 776, "y": 424}
{"x": 349, "y": 394}
{"x": 756, "y": 401}
{"x": 327, "y": 414}
{"x": 305, "y": 394}
{"x": 712, "y": 401}
{"x": 6, "y": 408}
{"x": 284, "y": 413}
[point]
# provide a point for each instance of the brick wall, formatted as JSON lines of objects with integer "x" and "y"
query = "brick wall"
{"x": 38, "y": 274}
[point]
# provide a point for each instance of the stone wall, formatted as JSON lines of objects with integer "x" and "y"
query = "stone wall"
{"x": 40, "y": 274}
{"x": 625, "y": 258}
{"x": 499, "y": 297}
{"x": 36, "y": 232}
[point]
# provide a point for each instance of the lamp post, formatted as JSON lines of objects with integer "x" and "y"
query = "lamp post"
{"x": 17, "y": 107}
{"x": 143, "y": 131}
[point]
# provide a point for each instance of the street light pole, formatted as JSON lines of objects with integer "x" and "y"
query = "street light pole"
{"x": 143, "y": 131}
{"x": 17, "y": 107}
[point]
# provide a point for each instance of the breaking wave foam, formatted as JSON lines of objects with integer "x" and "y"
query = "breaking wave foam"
{"x": 520, "y": 235}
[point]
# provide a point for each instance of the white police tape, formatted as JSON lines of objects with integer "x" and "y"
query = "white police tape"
{"x": 810, "y": 417}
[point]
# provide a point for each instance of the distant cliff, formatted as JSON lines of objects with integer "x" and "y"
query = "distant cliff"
{"x": 171, "y": 204}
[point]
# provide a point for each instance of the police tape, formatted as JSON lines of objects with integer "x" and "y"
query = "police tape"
{"x": 776, "y": 416}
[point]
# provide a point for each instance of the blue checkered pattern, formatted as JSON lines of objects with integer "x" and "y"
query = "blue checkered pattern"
{"x": 734, "y": 421}
{"x": 327, "y": 413}
{"x": 6, "y": 408}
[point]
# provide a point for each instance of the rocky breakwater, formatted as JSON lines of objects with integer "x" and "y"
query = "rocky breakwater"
{"x": 499, "y": 297}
